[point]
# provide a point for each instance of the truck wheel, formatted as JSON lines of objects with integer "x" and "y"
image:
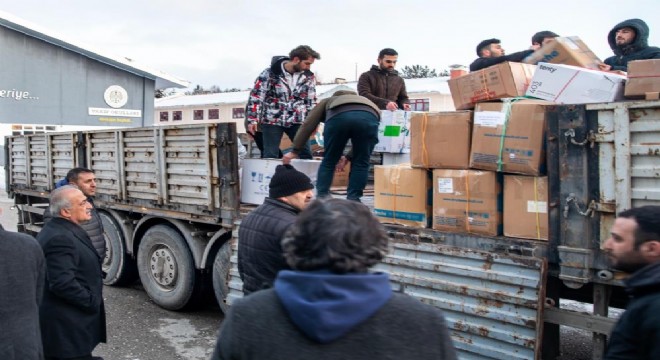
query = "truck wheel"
{"x": 118, "y": 266}
{"x": 221, "y": 269}
{"x": 166, "y": 268}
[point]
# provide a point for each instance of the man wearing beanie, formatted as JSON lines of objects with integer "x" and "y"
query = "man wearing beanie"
{"x": 259, "y": 251}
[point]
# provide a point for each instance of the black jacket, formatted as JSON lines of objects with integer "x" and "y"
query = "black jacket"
{"x": 482, "y": 63}
{"x": 259, "y": 250}
{"x": 639, "y": 49}
{"x": 637, "y": 333}
{"x": 382, "y": 86}
{"x": 72, "y": 313}
{"x": 93, "y": 227}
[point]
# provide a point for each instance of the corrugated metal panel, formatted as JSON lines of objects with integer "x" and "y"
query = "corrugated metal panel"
{"x": 18, "y": 161}
{"x": 491, "y": 301}
{"x": 102, "y": 159}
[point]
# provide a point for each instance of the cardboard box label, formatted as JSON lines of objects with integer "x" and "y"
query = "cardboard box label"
{"x": 537, "y": 206}
{"x": 489, "y": 118}
{"x": 445, "y": 186}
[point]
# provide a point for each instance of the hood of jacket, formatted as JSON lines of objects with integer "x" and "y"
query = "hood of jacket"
{"x": 377, "y": 68}
{"x": 276, "y": 65}
{"x": 639, "y": 43}
{"x": 644, "y": 280}
{"x": 325, "y": 306}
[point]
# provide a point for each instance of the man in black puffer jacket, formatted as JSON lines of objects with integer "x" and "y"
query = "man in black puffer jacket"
{"x": 260, "y": 254}
{"x": 85, "y": 180}
{"x": 629, "y": 41}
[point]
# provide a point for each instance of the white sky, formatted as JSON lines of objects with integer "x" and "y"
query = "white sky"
{"x": 227, "y": 43}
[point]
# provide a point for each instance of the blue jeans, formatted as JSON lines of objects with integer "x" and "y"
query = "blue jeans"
{"x": 272, "y": 135}
{"x": 361, "y": 127}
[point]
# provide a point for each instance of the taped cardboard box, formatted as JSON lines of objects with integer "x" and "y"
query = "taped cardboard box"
{"x": 467, "y": 201}
{"x": 643, "y": 78}
{"x": 570, "y": 50}
{"x": 256, "y": 175}
{"x": 509, "y": 137}
{"x": 394, "y": 132}
{"x": 441, "y": 139}
{"x": 341, "y": 176}
{"x": 402, "y": 195}
{"x": 508, "y": 79}
{"x": 526, "y": 207}
{"x": 565, "y": 84}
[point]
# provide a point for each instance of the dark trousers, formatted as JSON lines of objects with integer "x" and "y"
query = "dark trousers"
{"x": 272, "y": 136}
{"x": 259, "y": 140}
{"x": 361, "y": 127}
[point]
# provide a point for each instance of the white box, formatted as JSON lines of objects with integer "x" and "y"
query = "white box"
{"x": 258, "y": 172}
{"x": 394, "y": 132}
{"x": 565, "y": 84}
{"x": 395, "y": 159}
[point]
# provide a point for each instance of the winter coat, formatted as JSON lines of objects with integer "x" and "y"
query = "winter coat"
{"x": 639, "y": 49}
{"x": 23, "y": 268}
{"x": 272, "y": 101}
{"x": 482, "y": 62}
{"x": 637, "y": 333}
{"x": 382, "y": 86}
{"x": 72, "y": 313}
{"x": 259, "y": 250}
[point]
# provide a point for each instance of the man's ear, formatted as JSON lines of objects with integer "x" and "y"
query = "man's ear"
{"x": 65, "y": 213}
{"x": 485, "y": 53}
{"x": 652, "y": 250}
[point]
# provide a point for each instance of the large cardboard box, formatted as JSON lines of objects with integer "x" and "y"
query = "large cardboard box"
{"x": 568, "y": 50}
{"x": 402, "y": 195}
{"x": 258, "y": 172}
{"x": 526, "y": 207}
{"x": 441, "y": 139}
{"x": 643, "y": 77}
{"x": 508, "y": 79}
{"x": 394, "y": 132}
{"x": 565, "y": 84}
{"x": 509, "y": 137}
{"x": 467, "y": 201}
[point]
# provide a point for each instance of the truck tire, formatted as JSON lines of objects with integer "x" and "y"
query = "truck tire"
{"x": 119, "y": 267}
{"x": 221, "y": 269}
{"x": 166, "y": 268}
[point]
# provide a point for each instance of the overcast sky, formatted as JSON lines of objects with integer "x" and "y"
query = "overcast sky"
{"x": 228, "y": 43}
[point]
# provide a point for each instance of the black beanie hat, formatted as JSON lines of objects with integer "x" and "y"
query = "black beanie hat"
{"x": 288, "y": 181}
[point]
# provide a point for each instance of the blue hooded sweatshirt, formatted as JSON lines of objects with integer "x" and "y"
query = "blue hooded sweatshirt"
{"x": 325, "y": 306}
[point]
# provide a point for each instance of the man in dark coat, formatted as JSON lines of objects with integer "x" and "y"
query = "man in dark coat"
{"x": 491, "y": 53}
{"x": 259, "y": 235}
{"x": 72, "y": 313}
{"x": 22, "y": 267}
{"x": 383, "y": 85}
{"x": 634, "y": 247}
{"x": 629, "y": 41}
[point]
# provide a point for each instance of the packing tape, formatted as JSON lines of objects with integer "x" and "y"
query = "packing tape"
{"x": 506, "y": 109}
{"x": 536, "y": 207}
{"x": 425, "y": 153}
{"x": 467, "y": 200}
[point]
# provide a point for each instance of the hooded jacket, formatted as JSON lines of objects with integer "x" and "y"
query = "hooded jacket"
{"x": 483, "y": 62}
{"x": 272, "y": 101}
{"x": 637, "y": 333}
{"x": 382, "y": 86}
{"x": 639, "y": 49}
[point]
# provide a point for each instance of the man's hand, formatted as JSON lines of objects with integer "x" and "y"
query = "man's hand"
{"x": 604, "y": 67}
{"x": 406, "y": 107}
{"x": 341, "y": 164}
{"x": 392, "y": 106}
{"x": 286, "y": 159}
{"x": 252, "y": 129}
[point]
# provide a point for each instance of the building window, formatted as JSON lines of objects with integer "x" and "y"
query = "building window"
{"x": 214, "y": 114}
{"x": 198, "y": 114}
{"x": 164, "y": 116}
{"x": 419, "y": 104}
{"x": 177, "y": 115}
{"x": 238, "y": 113}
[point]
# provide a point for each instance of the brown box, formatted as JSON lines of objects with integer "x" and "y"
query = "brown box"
{"x": 568, "y": 50}
{"x": 508, "y": 79}
{"x": 402, "y": 195}
{"x": 514, "y": 138}
{"x": 440, "y": 139}
{"x": 341, "y": 176}
{"x": 643, "y": 77}
{"x": 467, "y": 201}
{"x": 526, "y": 207}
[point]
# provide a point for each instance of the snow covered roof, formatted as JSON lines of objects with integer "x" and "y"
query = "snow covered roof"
{"x": 162, "y": 79}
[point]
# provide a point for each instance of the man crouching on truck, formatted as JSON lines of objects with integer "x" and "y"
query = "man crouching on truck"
{"x": 259, "y": 251}
{"x": 634, "y": 247}
{"x": 330, "y": 306}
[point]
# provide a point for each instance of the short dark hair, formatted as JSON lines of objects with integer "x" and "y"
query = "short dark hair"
{"x": 387, "y": 52}
{"x": 541, "y": 35}
{"x": 486, "y": 43}
{"x": 337, "y": 235}
{"x": 304, "y": 52}
{"x": 72, "y": 175}
{"x": 648, "y": 223}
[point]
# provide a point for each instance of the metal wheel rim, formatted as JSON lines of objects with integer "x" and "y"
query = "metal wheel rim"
{"x": 163, "y": 267}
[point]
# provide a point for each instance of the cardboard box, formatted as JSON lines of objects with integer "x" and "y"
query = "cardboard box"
{"x": 258, "y": 172}
{"x": 508, "y": 79}
{"x": 514, "y": 138}
{"x": 568, "y": 50}
{"x": 394, "y": 132}
{"x": 341, "y": 176}
{"x": 526, "y": 207}
{"x": 565, "y": 84}
{"x": 395, "y": 159}
{"x": 467, "y": 201}
{"x": 441, "y": 139}
{"x": 643, "y": 77}
{"x": 402, "y": 195}
{"x": 315, "y": 141}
